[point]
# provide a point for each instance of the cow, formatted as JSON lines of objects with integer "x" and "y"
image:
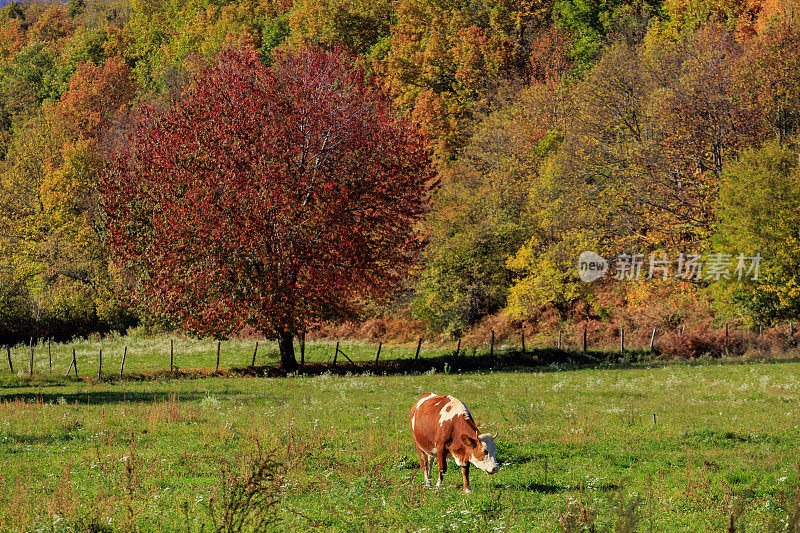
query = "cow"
{"x": 442, "y": 426}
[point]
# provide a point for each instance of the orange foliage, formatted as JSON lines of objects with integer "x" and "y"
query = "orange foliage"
{"x": 759, "y": 14}
{"x": 53, "y": 27}
{"x": 550, "y": 54}
{"x": 95, "y": 94}
{"x": 12, "y": 38}
{"x": 373, "y": 329}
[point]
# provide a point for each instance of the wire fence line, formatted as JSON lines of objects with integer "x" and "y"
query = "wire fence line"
{"x": 116, "y": 356}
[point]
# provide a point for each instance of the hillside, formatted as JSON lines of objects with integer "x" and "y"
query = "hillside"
{"x": 660, "y": 136}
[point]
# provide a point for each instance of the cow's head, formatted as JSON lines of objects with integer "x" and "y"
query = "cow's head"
{"x": 481, "y": 451}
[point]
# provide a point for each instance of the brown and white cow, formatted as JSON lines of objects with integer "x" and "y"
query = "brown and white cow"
{"x": 442, "y": 426}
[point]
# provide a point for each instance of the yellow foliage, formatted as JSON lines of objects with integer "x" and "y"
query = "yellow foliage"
{"x": 51, "y": 236}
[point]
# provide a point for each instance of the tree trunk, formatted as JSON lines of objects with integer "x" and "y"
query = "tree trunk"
{"x": 286, "y": 345}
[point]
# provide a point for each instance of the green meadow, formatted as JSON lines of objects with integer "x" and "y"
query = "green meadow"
{"x": 152, "y": 353}
{"x": 662, "y": 448}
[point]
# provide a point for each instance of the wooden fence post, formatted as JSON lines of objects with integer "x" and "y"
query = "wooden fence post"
{"x": 50, "y": 354}
{"x": 30, "y": 368}
{"x": 336, "y": 353}
{"x": 378, "y": 355}
{"x": 74, "y": 363}
{"x": 584, "y": 339}
{"x": 100, "y": 365}
{"x": 523, "y": 341}
{"x": 346, "y": 357}
{"x": 621, "y": 340}
{"x": 8, "y": 354}
{"x": 559, "y": 339}
{"x": 216, "y": 370}
{"x": 171, "y": 355}
{"x": 458, "y": 348}
{"x": 253, "y": 362}
{"x": 491, "y": 345}
{"x": 726, "y": 329}
{"x": 791, "y": 329}
{"x": 760, "y": 331}
{"x": 122, "y": 367}
{"x": 652, "y": 339}
{"x": 419, "y": 345}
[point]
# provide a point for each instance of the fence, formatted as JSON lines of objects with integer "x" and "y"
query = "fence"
{"x": 199, "y": 355}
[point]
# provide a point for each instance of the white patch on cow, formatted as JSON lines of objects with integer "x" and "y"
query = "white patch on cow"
{"x": 412, "y": 422}
{"x": 456, "y": 408}
{"x": 489, "y": 463}
{"x": 423, "y": 400}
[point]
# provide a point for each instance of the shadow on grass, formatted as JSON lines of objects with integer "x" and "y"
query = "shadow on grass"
{"x": 537, "y": 487}
{"x": 549, "y": 488}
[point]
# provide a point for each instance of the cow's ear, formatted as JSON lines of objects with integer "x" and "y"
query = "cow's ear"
{"x": 468, "y": 441}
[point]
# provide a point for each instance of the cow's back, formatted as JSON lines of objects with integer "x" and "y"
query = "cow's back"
{"x": 432, "y": 420}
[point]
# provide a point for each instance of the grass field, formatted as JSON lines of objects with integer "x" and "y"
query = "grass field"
{"x": 670, "y": 448}
{"x": 147, "y": 353}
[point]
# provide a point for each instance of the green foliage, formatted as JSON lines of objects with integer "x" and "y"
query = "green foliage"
{"x": 87, "y": 46}
{"x": 590, "y": 21}
{"x": 52, "y": 238}
{"x": 13, "y": 10}
{"x": 29, "y": 78}
{"x": 16, "y": 313}
{"x": 482, "y": 214}
{"x": 357, "y": 25}
{"x": 758, "y": 214}
{"x": 274, "y": 31}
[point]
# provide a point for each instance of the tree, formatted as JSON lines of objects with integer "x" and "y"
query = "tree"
{"x": 49, "y": 231}
{"x": 355, "y": 24}
{"x": 483, "y": 210}
{"x": 53, "y": 27}
{"x": 771, "y": 71}
{"x": 445, "y": 59}
{"x": 29, "y": 78}
{"x": 267, "y": 196}
{"x": 591, "y": 22}
{"x": 653, "y": 128}
{"x": 757, "y": 212}
{"x": 95, "y": 94}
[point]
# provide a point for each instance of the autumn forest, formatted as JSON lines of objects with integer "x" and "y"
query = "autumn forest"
{"x": 462, "y": 157}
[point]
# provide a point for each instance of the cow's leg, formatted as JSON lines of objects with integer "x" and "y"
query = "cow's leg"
{"x": 465, "y": 475}
{"x": 441, "y": 454}
{"x": 425, "y": 465}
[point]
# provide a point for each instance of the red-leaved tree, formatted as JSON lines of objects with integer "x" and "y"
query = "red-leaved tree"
{"x": 268, "y": 196}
